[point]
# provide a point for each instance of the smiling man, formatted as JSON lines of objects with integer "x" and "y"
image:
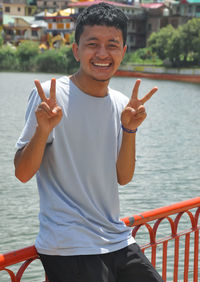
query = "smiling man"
{"x": 79, "y": 140}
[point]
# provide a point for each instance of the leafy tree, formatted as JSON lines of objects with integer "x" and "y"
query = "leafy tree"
{"x": 166, "y": 44}
{"x": 190, "y": 34}
{"x": 1, "y": 40}
{"x": 181, "y": 46}
{"x": 142, "y": 56}
{"x": 8, "y": 59}
{"x": 72, "y": 65}
{"x": 26, "y": 53}
{"x": 51, "y": 61}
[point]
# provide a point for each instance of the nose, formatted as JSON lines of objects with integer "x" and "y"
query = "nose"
{"x": 102, "y": 52}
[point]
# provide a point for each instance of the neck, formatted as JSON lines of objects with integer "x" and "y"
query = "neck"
{"x": 90, "y": 86}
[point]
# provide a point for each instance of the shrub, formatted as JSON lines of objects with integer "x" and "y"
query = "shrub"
{"x": 51, "y": 61}
{"x": 57, "y": 61}
{"x": 72, "y": 65}
{"x": 8, "y": 59}
{"x": 27, "y": 52}
{"x": 1, "y": 40}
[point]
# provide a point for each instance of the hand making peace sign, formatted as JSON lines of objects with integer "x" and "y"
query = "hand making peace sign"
{"x": 134, "y": 113}
{"x": 48, "y": 113}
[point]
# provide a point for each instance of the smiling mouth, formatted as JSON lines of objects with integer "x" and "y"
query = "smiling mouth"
{"x": 101, "y": 65}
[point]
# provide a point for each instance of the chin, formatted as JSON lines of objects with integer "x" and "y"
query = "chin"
{"x": 103, "y": 77}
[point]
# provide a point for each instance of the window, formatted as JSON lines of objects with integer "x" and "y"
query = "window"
{"x": 198, "y": 9}
{"x": 7, "y": 9}
{"x": 34, "y": 33}
{"x": 18, "y": 9}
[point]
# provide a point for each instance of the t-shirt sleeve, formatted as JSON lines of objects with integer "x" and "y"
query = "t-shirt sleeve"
{"x": 31, "y": 121}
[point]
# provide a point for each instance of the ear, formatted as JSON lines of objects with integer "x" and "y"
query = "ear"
{"x": 124, "y": 50}
{"x": 75, "y": 51}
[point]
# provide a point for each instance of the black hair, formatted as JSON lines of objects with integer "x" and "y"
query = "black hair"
{"x": 101, "y": 14}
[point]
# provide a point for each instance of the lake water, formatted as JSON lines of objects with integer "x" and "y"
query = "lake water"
{"x": 168, "y": 157}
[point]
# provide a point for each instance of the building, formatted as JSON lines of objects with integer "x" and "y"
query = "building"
{"x": 20, "y": 28}
{"x": 136, "y": 37}
{"x": 59, "y": 27}
{"x": 51, "y": 6}
{"x": 19, "y": 7}
{"x": 184, "y": 9}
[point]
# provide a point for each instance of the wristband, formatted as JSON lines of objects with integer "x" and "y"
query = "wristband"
{"x": 129, "y": 130}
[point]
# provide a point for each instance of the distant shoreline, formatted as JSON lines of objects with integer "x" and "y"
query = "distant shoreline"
{"x": 184, "y": 74}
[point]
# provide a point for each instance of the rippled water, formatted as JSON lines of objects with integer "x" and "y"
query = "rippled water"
{"x": 168, "y": 157}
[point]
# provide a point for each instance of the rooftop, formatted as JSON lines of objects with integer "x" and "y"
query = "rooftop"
{"x": 89, "y": 3}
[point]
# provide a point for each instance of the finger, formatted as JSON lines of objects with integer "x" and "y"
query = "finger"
{"x": 57, "y": 110}
{"x": 53, "y": 89}
{"x": 141, "y": 115}
{"x": 40, "y": 90}
{"x": 140, "y": 109}
{"x": 149, "y": 95}
{"x": 45, "y": 108}
{"x": 135, "y": 89}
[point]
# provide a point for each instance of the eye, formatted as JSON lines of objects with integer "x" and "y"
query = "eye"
{"x": 112, "y": 46}
{"x": 92, "y": 44}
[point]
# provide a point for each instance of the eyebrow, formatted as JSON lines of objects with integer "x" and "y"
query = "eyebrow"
{"x": 110, "y": 40}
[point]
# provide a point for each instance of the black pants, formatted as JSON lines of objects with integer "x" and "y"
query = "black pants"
{"x": 125, "y": 265}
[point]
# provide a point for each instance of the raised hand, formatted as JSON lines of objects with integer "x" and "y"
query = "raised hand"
{"x": 134, "y": 113}
{"x": 48, "y": 113}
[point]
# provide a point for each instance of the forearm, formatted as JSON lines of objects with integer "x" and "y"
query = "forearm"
{"x": 126, "y": 159}
{"x": 27, "y": 161}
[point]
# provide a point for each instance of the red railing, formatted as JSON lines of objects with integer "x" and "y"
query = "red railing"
{"x": 173, "y": 215}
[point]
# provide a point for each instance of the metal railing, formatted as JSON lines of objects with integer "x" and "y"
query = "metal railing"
{"x": 173, "y": 215}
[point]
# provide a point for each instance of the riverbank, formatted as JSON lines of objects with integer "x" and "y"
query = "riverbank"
{"x": 160, "y": 73}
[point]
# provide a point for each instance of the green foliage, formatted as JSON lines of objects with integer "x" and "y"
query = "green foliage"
{"x": 1, "y": 40}
{"x": 57, "y": 60}
{"x": 8, "y": 59}
{"x": 165, "y": 44}
{"x": 72, "y": 65}
{"x": 26, "y": 53}
{"x": 143, "y": 56}
{"x": 180, "y": 46}
{"x": 51, "y": 61}
{"x": 191, "y": 41}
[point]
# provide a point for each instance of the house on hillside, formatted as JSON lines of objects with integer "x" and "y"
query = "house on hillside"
{"x": 136, "y": 37}
{"x": 20, "y": 28}
{"x": 19, "y": 7}
{"x": 59, "y": 27}
{"x": 51, "y": 6}
{"x": 185, "y": 9}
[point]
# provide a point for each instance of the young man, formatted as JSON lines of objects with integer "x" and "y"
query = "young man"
{"x": 79, "y": 140}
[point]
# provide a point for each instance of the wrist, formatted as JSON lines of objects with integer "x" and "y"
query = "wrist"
{"x": 43, "y": 133}
{"x": 129, "y": 130}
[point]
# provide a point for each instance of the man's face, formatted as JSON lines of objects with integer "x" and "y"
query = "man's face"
{"x": 100, "y": 51}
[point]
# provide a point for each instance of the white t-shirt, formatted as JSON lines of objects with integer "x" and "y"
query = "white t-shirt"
{"x": 77, "y": 181}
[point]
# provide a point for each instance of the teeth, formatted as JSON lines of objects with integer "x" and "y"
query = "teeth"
{"x": 101, "y": 65}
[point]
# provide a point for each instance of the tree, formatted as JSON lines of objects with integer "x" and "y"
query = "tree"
{"x": 26, "y": 53}
{"x": 8, "y": 58}
{"x": 181, "y": 46}
{"x": 1, "y": 40}
{"x": 190, "y": 34}
{"x": 166, "y": 44}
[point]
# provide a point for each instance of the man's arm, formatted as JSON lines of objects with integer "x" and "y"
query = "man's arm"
{"x": 126, "y": 159}
{"x": 48, "y": 114}
{"x": 132, "y": 116}
{"x": 28, "y": 159}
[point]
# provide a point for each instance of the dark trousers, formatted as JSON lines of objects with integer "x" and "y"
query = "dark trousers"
{"x": 126, "y": 265}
